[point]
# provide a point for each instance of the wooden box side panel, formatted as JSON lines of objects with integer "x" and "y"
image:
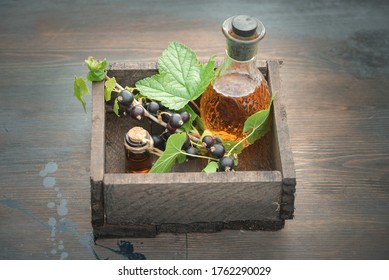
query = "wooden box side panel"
{"x": 127, "y": 74}
{"x": 97, "y": 154}
{"x": 282, "y": 148}
{"x": 197, "y": 198}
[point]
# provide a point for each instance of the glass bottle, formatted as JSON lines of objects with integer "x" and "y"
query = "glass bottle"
{"x": 239, "y": 88}
{"x": 137, "y": 142}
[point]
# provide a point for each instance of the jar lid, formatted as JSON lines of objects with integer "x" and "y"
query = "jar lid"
{"x": 137, "y": 134}
{"x": 242, "y": 33}
{"x": 244, "y": 26}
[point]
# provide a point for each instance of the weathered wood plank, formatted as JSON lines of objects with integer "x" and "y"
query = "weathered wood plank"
{"x": 282, "y": 149}
{"x": 97, "y": 154}
{"x": 191, "y": 197}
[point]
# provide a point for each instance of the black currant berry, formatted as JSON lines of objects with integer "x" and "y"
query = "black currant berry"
{"x": 128, "y": 109}
{"x": 185, "y": 116}
{"x": 207, "y": 141}
{"x": 170, "y": 128}
{"x": 217, "y": 150}
{"x": 192, "y": 151}
{"x": 175, "y": 121}
{"x": 137, "y": 112}
{"x": 125, "y": 97}
{"x": 153, "y": 107}
{"x": 226, "y": 164}
{"x": 166, "y": 116}
{"x": 159, "y": 142}
{"x": 218, "y": 140}
{"x": 186, "y": 144}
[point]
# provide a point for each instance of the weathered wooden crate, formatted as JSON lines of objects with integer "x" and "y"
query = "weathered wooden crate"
{"x": 259, "y": 196}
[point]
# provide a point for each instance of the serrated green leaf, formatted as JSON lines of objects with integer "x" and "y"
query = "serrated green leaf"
{"x": 95, "y": 65}
{"x": 116, "y": 107}
{"x": 257, "y": 125}
{"x": 164, "y": 89}
{"x": 109, "y": 84}
{"x": 211, "y": 167}
{"x": 206, "y": 75}
{"x": 181, "y": 77}
{"x": 97, "y": 69}
{"x": 171, "y": 155}
{"x": 95, "y": 76}
{"x": 80, "y": 90}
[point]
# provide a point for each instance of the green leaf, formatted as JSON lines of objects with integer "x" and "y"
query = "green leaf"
{"x": 181, "y": 77}
{"x": 257, "y": 125}
{"x": 97, "y": 69}
{"x": 171, "y": 155}
{"x": 80, "y": 90}
{"x": 110, "y": 84}
{"x": 206, "y": 75}
{"x": 94, "y": 64}
{"x": 95, "y": 76}
{"x": 211, "y": 167}
{"x": 238, "y": 148}
{"x": 116, "y": 107}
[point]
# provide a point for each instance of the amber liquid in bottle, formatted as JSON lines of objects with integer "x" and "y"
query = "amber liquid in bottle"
{"x": 138, "y": 163}
{"x": 226, "y": 104}
{"x": 138, "y": 158}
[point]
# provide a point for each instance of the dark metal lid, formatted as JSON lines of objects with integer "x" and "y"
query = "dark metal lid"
{"x": 244, "y": 26}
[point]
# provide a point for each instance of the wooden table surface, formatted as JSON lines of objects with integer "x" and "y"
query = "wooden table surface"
{"x": 335, "y": 77}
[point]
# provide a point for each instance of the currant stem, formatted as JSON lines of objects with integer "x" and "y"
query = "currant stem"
{"x": 195, "y": 105}
{"x": 199, "y": 156}
{"x": 241, "y": 141}
{"x": 150, "y": 116}
{"x": 197, "y": 144}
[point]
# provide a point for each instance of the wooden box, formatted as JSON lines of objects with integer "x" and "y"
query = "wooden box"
{"x": 258, "y": 196}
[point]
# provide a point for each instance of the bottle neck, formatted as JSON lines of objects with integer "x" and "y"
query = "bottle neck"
{"x": 237, "y": 78}
{"x": 242, "y": 51}
{"x": 233, "y": 66}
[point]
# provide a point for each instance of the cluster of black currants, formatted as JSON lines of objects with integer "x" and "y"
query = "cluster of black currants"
{"x": 216, "y": 149}
{"x": 214, "y": 146}
{"x": 127, "y": 107}
{"x": 173, "y": 120}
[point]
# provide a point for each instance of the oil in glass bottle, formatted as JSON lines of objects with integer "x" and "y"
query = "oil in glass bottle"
{"x": 239, "y": 88}
{"x": 136, "y": 146}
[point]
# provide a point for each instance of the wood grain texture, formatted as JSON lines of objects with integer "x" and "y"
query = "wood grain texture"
{"x": 191, "y": 197}
{"x": 282, "y": 149}
{"x": 334, "y": 78}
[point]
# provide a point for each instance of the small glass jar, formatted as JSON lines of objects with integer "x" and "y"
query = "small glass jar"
{"x": 137, "y": 142}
